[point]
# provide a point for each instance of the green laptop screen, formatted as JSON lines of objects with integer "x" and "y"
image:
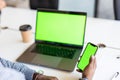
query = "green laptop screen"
{"x": 65, "y": 28}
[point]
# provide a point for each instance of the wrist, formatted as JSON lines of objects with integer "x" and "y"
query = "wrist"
{"x": 84, "y": 78}
{"x": 35, "y": 75}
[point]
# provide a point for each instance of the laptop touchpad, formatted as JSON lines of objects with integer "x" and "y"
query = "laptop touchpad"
{"x": 47, "y": 60}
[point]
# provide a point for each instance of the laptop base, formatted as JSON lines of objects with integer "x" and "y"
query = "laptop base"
{"x": 49, "y": 61}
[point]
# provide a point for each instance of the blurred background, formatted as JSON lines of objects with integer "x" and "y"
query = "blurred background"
{"x": 94, "y": 8}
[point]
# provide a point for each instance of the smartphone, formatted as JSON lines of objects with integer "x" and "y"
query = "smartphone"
{"x": 89, "y": 50}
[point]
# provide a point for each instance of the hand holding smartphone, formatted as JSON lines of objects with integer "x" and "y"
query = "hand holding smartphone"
{"x": 90, "y": 50}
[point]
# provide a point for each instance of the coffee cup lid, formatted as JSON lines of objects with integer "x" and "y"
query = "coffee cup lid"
{"x": 25, "y": 27}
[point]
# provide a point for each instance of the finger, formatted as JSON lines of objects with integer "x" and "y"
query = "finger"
{"x": 95, "y": 63}
{"x": 92, "y": 60}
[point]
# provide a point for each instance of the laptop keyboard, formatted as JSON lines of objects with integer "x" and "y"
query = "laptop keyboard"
{"x": 55, "y": 51}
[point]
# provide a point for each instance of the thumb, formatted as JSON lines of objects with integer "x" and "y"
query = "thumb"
{"x": 92, "y": 60}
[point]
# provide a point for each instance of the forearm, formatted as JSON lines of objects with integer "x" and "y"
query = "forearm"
{"x": 19, "y": 67}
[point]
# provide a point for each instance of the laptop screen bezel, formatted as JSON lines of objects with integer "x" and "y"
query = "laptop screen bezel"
{"x": 57, "y": 43}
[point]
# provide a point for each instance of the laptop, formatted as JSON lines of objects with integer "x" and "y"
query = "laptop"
{"x": 59, "y": 39}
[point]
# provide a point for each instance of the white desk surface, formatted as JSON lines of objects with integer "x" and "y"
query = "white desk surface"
{"x": 97, "y": 31}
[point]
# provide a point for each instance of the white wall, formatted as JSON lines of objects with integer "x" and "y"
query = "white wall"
{"x": 78, "y": 5}
{"x": 70, "y": 5}
{"x": 105, "y": 7}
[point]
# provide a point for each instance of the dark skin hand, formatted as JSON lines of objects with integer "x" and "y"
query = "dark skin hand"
{"x": 90, "y": 69}
{"x": 38, "y": 76}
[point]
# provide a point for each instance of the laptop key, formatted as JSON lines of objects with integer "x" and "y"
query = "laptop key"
{"x": 55, "y": 51}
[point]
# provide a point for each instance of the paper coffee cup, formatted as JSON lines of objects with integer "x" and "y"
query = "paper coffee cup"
{"x": 26, "y": 33}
